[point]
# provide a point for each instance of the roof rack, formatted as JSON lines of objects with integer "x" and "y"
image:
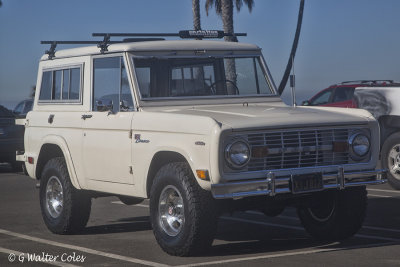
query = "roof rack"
{"x": 103, "y": 44}
{"x": 369, "y": 81}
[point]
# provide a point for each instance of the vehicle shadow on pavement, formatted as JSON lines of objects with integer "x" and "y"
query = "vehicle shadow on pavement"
{"x": 131, "y": 224}
{"x": 384, "y": 213}
{"x": 236, "y": 238}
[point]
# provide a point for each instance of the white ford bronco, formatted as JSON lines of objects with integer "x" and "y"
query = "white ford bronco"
{"x": 382, "y": 103}
{"x": 198, "y": 128}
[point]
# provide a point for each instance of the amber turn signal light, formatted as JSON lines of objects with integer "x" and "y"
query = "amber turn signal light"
{"x": 203, "y": 175}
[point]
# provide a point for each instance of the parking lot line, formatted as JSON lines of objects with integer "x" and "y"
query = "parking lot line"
{"x": 384, "y": 190}
{"x": 382, "y": 229}
{"x": 14, "y": 256}
{"x": 373, "y": 195}
{"x": 285, "y": 254}
{"x": 302, "y": 229}
{"x": 82, "y": 249}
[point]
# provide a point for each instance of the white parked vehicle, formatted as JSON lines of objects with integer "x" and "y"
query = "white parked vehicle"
{"x": 197, "y": 127}
{"x": 382, "y": 103}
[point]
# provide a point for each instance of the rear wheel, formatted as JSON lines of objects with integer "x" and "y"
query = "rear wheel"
{"x": 334, "y": 215}
{"x": 182, "y": 214}
{"x": 65, "y": 209}
{"x": 390, "y": 159}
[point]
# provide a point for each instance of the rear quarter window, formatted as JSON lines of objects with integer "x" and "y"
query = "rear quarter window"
{"x": 61, "y": 85}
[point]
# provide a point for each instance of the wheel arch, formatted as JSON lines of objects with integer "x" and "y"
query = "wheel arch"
{"x": 55, "y": 146}
{"x": 389, "y": 124}
{"x": 160, "y": 159}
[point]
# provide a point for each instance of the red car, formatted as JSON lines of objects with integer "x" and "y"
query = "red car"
{"x": 341, "y": 95}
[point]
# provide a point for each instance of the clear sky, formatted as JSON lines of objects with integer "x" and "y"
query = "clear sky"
{"x": 341, "y": 39}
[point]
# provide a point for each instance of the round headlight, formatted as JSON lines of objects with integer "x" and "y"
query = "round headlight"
{"x": 237, "y": 154}
{"x": 360, "y": 144}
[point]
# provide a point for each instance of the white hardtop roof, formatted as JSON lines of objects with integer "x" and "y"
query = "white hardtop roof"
{"x": 154, "y": 46}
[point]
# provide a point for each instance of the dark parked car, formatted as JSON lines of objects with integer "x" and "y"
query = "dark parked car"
{"x": 22, "y": 108}
{"x": 341, "y": 95}
{"x": 11, "y": 138}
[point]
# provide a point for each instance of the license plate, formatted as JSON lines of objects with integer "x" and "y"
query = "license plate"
{"x": 307, "y": 182}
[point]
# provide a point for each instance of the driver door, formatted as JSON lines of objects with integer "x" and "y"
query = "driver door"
{"x": 106, "y": 138}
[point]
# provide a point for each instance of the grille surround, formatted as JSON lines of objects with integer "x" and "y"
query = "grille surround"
{"x": 299, "y": 148}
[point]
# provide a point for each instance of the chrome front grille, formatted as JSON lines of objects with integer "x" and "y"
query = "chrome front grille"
{"x": 300, "y": 148}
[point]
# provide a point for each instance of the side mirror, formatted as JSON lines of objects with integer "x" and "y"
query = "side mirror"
{"x": 123, "y": 105}
{"x": 104, "y": 105}
{"x": 305, "y": 103}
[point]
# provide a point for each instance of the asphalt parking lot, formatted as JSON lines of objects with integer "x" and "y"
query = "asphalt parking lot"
{"x": 121, "y": 235}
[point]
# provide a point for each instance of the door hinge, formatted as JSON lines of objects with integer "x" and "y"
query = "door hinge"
{"x": 130, "y": 134}
{"x": 130, "y": 170}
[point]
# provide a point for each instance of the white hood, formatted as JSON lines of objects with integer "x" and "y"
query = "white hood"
{"x": 256, "y": 115}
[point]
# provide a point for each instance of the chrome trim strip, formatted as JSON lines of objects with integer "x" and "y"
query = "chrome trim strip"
{"x": 278, "y": 185}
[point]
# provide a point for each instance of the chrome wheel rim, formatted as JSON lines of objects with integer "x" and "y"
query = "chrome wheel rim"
{"x": 54, "y": 197}
{"x": 323, "y": 210}
{"x": 394, "y": 161}
{"x": 321, "y": 216}
{"x": 171, "y": 211}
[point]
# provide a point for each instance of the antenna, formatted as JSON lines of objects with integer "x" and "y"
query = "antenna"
{"x": 293, "y": 84}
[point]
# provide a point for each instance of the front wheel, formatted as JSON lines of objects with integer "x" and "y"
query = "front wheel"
{"x": 334, "y": 215}
{"x": 182, "y": 214}
{"x": 65, "y": 209}
{"x": 390, "y": 159}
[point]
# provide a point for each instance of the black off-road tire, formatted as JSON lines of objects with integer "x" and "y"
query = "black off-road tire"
{"x": 76, "y": 203}
{"x": 200, "y": 212}
{"x": 334, "y": 215}
{"x": 390, "y": 143}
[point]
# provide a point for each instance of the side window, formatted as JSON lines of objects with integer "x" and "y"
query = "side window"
{"x": 27, "y": 107}
{"x": 46, "y": 87}
{"x": 57, "y": 84}
{"x": 343, "y": 94}
{"x": 322, "y": 98}
{"x": 111, "y": 85}
{"x": 75, "y": 83}
{"x": 143, "y": 78}
{"x": 19, "y": 108}
{"x": 61, "y": 85}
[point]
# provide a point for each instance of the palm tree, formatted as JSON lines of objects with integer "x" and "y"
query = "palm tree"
{"x": 285, "y": 77}
{"x": 224, "y": 8}
{"x": 196, "y": 15}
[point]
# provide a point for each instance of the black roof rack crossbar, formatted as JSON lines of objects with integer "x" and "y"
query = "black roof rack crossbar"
{"x": 187, "y": 34}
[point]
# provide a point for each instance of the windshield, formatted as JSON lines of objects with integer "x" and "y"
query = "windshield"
{"x": 201, "y": 77}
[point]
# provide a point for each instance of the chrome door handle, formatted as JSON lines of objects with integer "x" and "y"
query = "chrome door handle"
{"x": 85, "y": 116}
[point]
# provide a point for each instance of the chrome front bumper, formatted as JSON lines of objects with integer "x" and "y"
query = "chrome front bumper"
{"x": 271, "y": 185}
